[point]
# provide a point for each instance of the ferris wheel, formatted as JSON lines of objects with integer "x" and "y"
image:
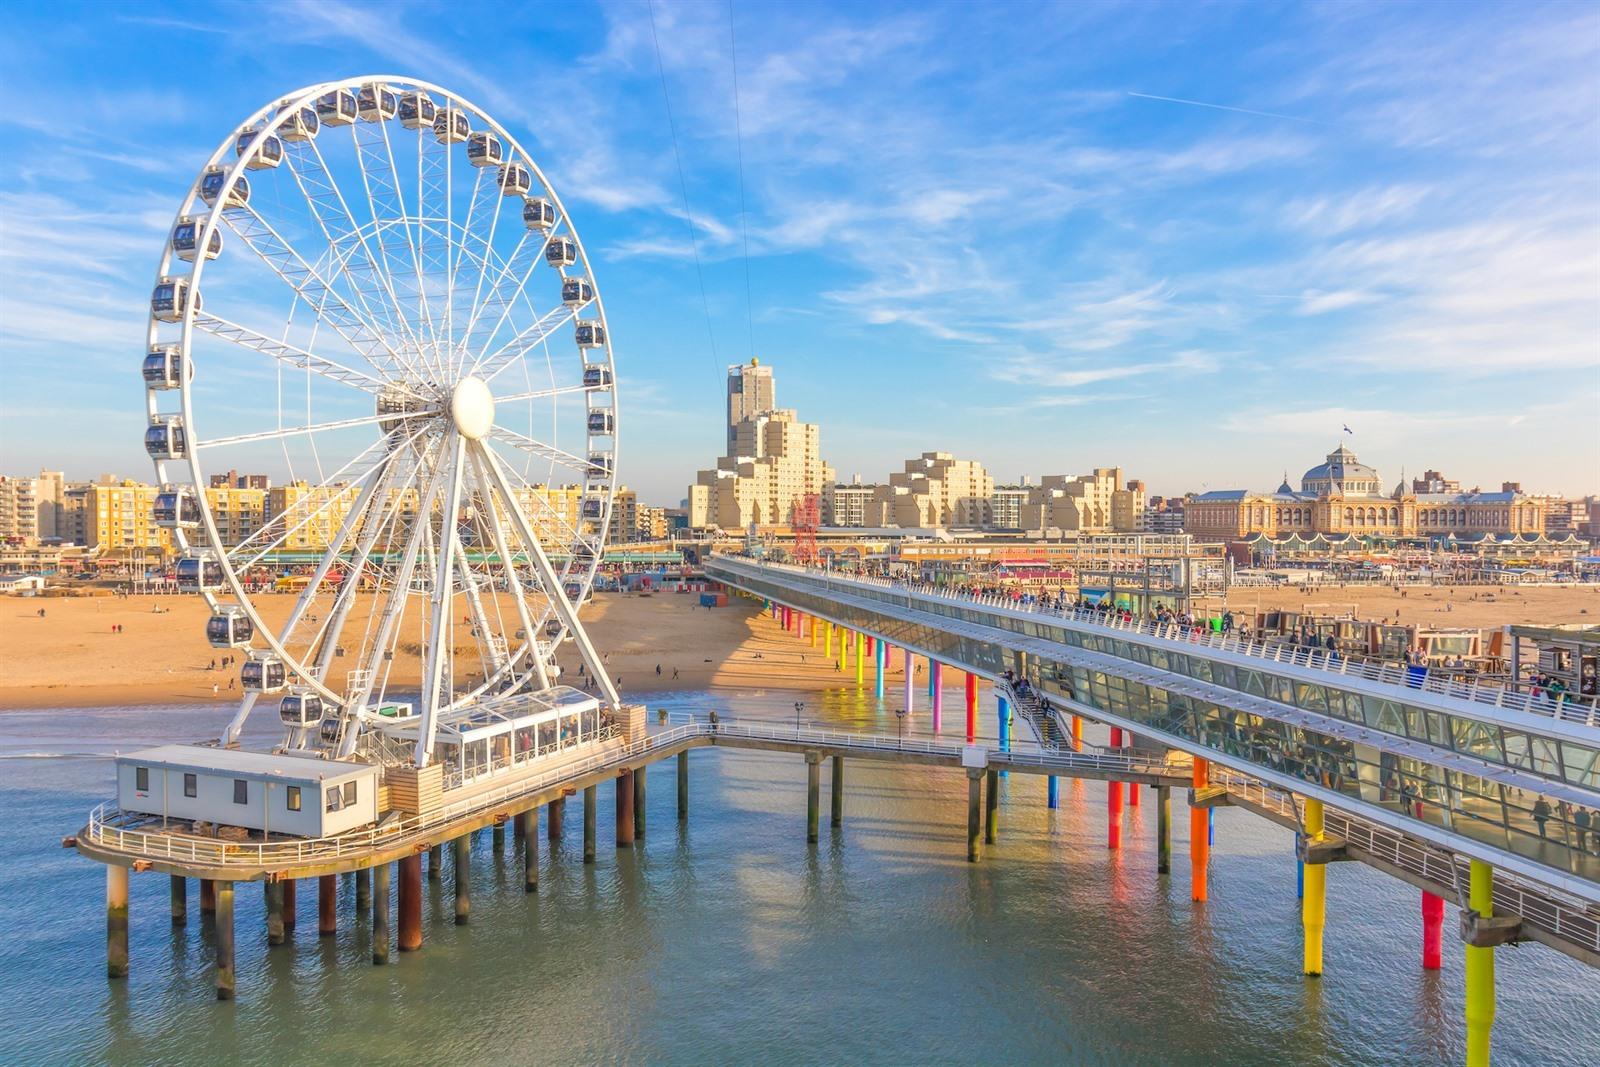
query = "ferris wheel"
{"x": 397, "y": 313}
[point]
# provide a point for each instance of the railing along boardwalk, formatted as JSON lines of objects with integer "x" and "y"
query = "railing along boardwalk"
{"x": 1584, "y": 711}
{"x": 130, "y": 835}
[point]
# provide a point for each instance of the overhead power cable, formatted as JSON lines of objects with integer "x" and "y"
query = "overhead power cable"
{"x": 683, "y": 185}
{"x": 738, "y": 138}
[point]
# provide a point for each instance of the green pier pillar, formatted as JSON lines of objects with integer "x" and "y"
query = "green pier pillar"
{"x": 1163, "y": 829}
{"x": 991, "y": 809}
{"x": 683, "y": 785}
{"x": 813, "y": 798}
{"x": 974, "y": 806}
{"x": 836, "y": 791}
{"x": 638, "y": 803}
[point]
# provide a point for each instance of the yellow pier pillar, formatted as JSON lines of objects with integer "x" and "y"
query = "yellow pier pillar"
{"x": 844, "y": 640}
{"x": 827, "y": 639}
{"x": 860, "y": 643}
{"x": 1314, "y": 906}
{"x": 811, "y": 631}
{"x": 1480, "y": 970}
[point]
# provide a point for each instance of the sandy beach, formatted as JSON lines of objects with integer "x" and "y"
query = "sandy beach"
{"x": 71, "y": 657}
{"x": 1442, "y": 606}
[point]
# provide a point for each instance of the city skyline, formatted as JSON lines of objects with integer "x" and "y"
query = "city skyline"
{"x": 1196, "y": 237}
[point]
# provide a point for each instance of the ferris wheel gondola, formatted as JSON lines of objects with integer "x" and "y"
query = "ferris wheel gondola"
{"x": 414, "y": 363}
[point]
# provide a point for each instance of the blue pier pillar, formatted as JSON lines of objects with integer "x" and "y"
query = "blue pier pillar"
{"x": 1052, "y": 794}
{"x": 880, "y": 653}
{"x": 1211, "y": 826}
{"x": 1005, "y": 729}
{"x": 1299, "y": 871}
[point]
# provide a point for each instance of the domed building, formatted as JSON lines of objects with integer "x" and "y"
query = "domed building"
{"x": 1343, "y": 473}
{"x": 1342, "y": 501}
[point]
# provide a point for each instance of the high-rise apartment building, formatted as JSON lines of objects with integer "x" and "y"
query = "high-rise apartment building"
{"x": 936, "y": 490}
{"x": 773, "y": 460}
{"x": 19, "y": 510}
{"x": 751, "y": 392}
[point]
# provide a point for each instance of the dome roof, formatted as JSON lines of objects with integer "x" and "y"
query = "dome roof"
{"x": 1341, "y": 466}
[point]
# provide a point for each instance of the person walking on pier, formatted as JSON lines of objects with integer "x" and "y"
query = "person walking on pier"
{"x": 1541, "y": 814}
{"x": 1581, "y": 820}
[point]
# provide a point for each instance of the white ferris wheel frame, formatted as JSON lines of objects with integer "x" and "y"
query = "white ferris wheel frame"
{"x": 486, "y": 467}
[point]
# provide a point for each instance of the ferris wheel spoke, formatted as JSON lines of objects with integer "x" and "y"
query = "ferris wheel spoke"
{"x": 490, "y": 366}
{"x": 363, "y": 274}
{"x": 509, "y": 286}
{"x": 481, "y": 267}
{"x": 459, "y": 253}
{"x": 292, "y": 356}
{"x": 508, "y": 564}
{"x": 577, "y": 464}
{"x": 552, "y": 520}
{"x": 380, "y": 179}
{"x": 545, "y": 394}
{"x": 393, "y": 607}
{"x": 328, "y": 209}
{"x": 557, "y": 595}
{"x": 273, "y": 249}
{"x": 294, "y": 431}
{"x": 329, "y": 492}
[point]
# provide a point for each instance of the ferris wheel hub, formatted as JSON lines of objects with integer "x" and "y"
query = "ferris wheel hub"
{"x": 472, "y": 408}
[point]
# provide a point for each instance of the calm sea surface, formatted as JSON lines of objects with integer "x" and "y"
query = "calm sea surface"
{"x": 729, "y": 940}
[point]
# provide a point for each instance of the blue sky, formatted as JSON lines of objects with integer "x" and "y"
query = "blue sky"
{"x": 1192, "y": 240}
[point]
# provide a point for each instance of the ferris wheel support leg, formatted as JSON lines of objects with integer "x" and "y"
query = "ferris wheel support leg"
{"x": 236, "y": 724}
{"x": 441, "y": 606}
{"x": 547, "y": 575}
{"x": 499, "y": 536}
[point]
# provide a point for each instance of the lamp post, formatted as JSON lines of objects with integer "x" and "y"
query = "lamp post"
{"x": 799, "y": 706}
{"x": 900, "y": 726}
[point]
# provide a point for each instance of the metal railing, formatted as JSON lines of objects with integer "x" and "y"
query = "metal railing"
{"x": 1567, "y": 707}
{"x": 1566, "y": 918}
{"x": 127, "y": 832}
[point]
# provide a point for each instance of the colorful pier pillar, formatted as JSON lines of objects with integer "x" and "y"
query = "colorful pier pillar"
{"x": 936, "y": 692}
{"x": 879, "y": 655}
{"x": 1052, "y": 793}
{"x": 1480, "y": 970}
{"x": 116, "y": 921}
{"x": 1199, "y": 844}
{"x": 827, "y": 639}
{"x": 911, "y": 684}
{"x": 1077, "y": 733}
{"x": 1114, "y": 800}
{"x": 1432, "y": 930}
{"x": 410, "y": 894}
{"x": 1005, "y": 729}
{"x": 812, "y": 635}
{"x": 972, "y": 707}
{"x": 861, "y": 640}
{"x": 1314, "y": 908}
{"x": 844, "y": 641}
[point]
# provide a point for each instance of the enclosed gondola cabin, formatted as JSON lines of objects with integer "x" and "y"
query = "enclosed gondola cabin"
{"x": 538, "y": 213}
{"x": 300, "y": 710}
{"x": 337, "y": 108}
{"x": 170, "y": 299}
{"x": 417, "y": 110}
{"x": 561, "y": 252}
{"x": 485, "y": 150}
{"x": 377, "y": 103}
{"x": 592, "y": 508}
{"x": 215, "y": 178}
{"x": 596, "y": 377}
{"x": 259, "y": 151}
{"x": 552, "y": 629}
{"x": 176, "y": 508}
{"x": 574, "y": 591}
{"x": 330, "y": 730}
{"x": 264, "y": 675}
{"x": 198, "y": 574}
{"x": 601, "y": 422}
{"x": 186, "y": 236}
{"x": 163, "y": 367}
{"x": 600, "y": 464}
{"x": 301, "y": 124}
{"x": 163, "y": 438}
{"x": 576, "y": 292}
{"x": 515, "y": 180}
{"x": 589, "y": 334}
{"x": 230, "y": 628}
{"x": 286, "y": 793}
{"x": 451, "y": 126}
